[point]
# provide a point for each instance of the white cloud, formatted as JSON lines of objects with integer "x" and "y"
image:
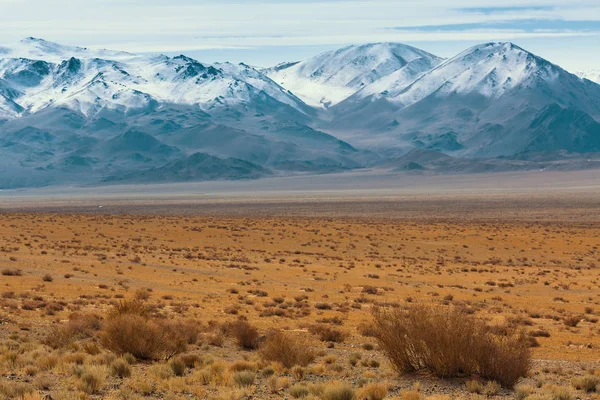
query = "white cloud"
{"x": 163, "y": 25}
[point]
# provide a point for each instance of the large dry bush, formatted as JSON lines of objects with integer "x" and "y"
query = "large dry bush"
{"x": 449, "y": 342}
{"x": 130, "y": 329}
{"x": 286, "y": 349}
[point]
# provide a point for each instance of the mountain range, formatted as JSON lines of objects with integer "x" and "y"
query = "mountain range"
{"x": 72, "y": 115}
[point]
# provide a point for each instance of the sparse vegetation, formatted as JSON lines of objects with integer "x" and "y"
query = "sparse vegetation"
{"x": 141, "y": 312}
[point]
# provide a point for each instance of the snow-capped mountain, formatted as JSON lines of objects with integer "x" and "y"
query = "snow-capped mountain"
{"x": 43, "y": 74}
{"x": 593, "y": 75}
{"x": 62, "y": 109}
{"x": 77, "y": 115}
{"x": 486, "y": 101}
{"x": 331, "y": 77}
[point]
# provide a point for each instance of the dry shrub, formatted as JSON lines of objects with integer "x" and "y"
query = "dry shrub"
{"x": 366, "y": 329}
{"x": 572, "y": 320}
{"x": 130, "y": 329}
{"x": 245, "y": 334}
{"x": 449, "y": 342}
{"x": 286, "y": 349}
{"x": 79, "y": 327}
{"x": 134, "y": 306}
{"x": 327, "y": 333}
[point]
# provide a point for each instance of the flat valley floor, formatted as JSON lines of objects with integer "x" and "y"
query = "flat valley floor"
{"x": 527, "y": 257}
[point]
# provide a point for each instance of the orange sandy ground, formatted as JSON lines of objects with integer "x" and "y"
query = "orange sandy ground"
{"x": 542, "y": 272}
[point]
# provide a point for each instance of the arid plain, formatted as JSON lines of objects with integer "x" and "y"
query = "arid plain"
{"x": 312, "y": 267}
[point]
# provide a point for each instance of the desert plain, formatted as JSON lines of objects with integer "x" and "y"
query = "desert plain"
{"x": 313, "y": 265}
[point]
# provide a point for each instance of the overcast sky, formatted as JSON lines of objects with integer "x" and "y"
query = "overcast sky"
{"x": 265, "y": 32}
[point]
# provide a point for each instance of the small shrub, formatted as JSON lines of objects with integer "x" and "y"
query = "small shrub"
{"x": 327, "y": 333}
{"x": 142, "y": 294}
{"x": 130, "y": 307}
{"x": 80, "y": 326}
{"x": 572, "y": 321}
{"x": 11, "y": 272}
{"x": 286, "y": 349}
{"x": 47, "y": 278}
{"x": 245, "y": 334}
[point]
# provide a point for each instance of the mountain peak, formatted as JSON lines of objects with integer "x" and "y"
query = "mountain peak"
{"x": 489, "y": 69}
{"x": 333, "y": 76}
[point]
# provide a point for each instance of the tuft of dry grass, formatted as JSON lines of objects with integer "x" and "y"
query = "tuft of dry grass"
{"x": 120, "y": 368}
{"x": 92, "y": 380}
{"x": 373, "y": 391}
{"x": 244, "y": 378}
{"x": 338, "y": 391}
{"x": 449, "y": 342}
{"x": 588, "y": 383}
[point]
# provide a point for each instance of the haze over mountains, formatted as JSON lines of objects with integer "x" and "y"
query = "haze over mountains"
{"x": 593, "y": 75}
{"x": 79, "y": 116}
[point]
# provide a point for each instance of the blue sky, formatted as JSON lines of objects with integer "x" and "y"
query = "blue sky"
{"x": 265, "y": 32}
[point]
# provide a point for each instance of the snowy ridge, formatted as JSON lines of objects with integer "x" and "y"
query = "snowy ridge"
{"x": 490, "y": 70}
{"x": 42, "y": 74}
{"x": 331, "y": 77}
